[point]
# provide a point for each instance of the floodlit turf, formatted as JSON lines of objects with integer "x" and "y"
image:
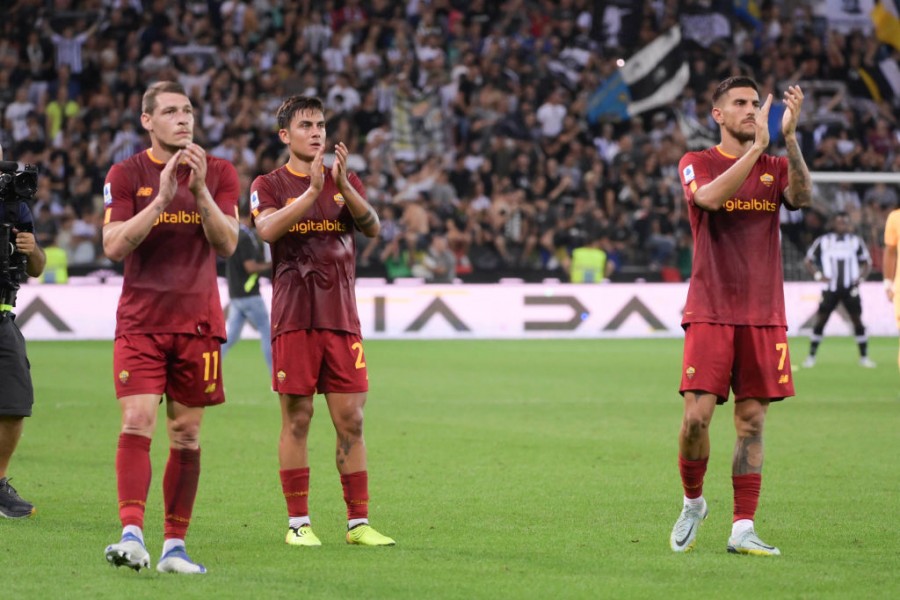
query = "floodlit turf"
{"x": 513, "y": 469}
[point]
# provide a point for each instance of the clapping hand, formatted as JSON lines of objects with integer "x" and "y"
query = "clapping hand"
{"x": 793, "y": 98}
{"x": 339, "y": 167}
{"x": 317, "y": 177}
{"x": 762, "y": 124}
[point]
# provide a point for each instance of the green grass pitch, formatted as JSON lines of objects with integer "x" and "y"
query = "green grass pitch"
{"x": 504, "y": 469}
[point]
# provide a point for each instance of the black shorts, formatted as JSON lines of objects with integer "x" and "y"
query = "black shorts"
{"x": 849, "y": 297}
{"x": 16, "y": 392}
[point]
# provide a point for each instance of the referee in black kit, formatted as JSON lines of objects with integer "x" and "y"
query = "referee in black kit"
{"x": 841, "y": 260}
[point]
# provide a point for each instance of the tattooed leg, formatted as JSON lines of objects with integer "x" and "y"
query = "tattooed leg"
{"x": 347, "y": 415}
{"x": 749, "y": 417}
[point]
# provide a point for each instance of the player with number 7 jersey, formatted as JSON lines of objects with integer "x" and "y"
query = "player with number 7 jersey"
{"x": 734, "y": 319}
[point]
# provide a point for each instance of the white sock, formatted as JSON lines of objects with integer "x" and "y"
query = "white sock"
{"x": 740, "y": 526}
{"x": 296, "y": 522}
{"x": 172, "y": 543}
{"x": 694, "y": 502}
{"x": 354, "y": 522}
{"x": 135, "y": 531}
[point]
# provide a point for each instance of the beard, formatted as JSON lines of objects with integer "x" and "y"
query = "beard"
{"x": 741, "y": 136}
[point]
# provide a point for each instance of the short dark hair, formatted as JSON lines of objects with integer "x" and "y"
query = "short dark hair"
{"x": 148, "y": 103}
{"x": 842, "y": 214}
{"x": 739, "y": 81}
{"x": 290, "y": 107}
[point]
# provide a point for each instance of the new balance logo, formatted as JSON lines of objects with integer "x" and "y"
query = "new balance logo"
{"x": 144, "y": 192}
{"x": 784, "y": 379}
{"x": 210, "y": 388}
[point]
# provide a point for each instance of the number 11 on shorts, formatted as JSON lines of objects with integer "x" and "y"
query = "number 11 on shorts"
{"x": 213, "y": 357}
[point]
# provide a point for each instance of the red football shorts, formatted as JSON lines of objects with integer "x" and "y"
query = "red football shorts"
{"x": 753, "y": 361}
{"x": 318, "y": 360}
{"x": 187, "y": 368}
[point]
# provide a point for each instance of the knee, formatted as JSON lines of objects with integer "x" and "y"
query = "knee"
{"x": 350, "y": 422}
{"x": 750, "y": 425}
{"x": 185, "y": 433}
{"x": 297, "y": 422}
{"x": 694, "y": 425}
{"x": 136, "y": 421}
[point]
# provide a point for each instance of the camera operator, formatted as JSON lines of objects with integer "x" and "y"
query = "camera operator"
{"x": 17, "y": 394}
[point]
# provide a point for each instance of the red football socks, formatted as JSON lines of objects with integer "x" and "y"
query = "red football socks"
{"x": 746, "y": 495}
{"x": 356, "y": 494}
{"x": 692, "y": 473}
{"x": 295, "y": 485}
{"x": 180, "y": 489}
{"x": 132, "y": 477}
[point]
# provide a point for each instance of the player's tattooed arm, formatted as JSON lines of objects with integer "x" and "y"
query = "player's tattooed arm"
{"x": 363, "y": 214}
{"x": 120, "y": 238}
{"x": 368, "y": 220}
{"x": 135, "y": 238}
{"x": 748, "y": 455}
{"x": 799, "y": 191}
{"x": 221, "y": 230}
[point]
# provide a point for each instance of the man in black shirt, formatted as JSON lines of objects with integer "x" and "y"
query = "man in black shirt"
{"x": 243, "y": 271}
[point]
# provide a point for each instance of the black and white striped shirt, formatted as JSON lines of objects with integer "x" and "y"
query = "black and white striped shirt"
{"x": 839, "y": 257}
{"x": 68, "y": 51}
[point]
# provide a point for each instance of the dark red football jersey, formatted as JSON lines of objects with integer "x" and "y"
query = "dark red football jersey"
{"x": 170, "y": 278}
{"x": 737, "y": 277}
{"x": 313, "y": 264}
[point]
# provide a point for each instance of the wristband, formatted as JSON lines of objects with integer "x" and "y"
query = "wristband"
{"x": 888, "y": 284}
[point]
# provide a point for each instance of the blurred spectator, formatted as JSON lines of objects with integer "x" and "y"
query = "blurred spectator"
{"x": 154, "y": 64}
{"x": 45, "y": 227}
{"x": 69, "y": 45}
{"x": 589, "y": 263}
{"x": 882, "y": 195}
{"x": 438, "y": 263}
{"x": 16, "y": 114}
{"x": 58, "y": 111}
{"x": 551, "y": 114}
{"x": 342, "y": 97}
{"x": 56, "y": 269}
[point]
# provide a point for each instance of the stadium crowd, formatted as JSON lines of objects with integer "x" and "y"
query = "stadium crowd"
{"x": 466, "y": 119}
